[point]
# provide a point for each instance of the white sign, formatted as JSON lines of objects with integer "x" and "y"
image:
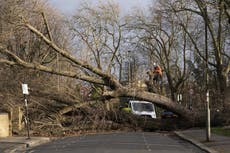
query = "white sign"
{"x": 179, "y": 97}
{"x": 25, "y": 90}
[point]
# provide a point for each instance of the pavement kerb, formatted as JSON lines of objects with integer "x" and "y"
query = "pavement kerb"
{"x": 17, "y": 147}
{"x": 39, "y": 142}
{"x": 29, "y": 144}
{"x": 195, "y": 142}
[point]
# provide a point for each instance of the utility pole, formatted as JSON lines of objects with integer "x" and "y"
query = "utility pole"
{"x": 208, "y": 128}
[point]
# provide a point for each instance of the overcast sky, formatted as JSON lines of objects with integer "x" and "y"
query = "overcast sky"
{"x": 69, "y": 6}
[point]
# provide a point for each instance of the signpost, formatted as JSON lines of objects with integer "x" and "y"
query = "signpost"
{"x": 25, "y": 92}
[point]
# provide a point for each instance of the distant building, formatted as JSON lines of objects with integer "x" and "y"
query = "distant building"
{"x": 128, "y": 72}
{"x": 125, "y": 72}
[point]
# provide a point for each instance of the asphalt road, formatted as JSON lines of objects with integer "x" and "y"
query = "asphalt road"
{"x": 119, "y": 143}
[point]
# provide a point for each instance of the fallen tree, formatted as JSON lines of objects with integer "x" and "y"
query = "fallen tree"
{"x": 97, "y": 76}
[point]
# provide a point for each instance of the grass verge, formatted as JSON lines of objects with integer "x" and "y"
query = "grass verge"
{"x": 221, "y": 131}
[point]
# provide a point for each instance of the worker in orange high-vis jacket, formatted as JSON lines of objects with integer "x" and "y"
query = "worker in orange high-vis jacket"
{"x": 157, "y": 71}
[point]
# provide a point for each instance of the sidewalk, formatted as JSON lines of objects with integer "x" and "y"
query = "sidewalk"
{"x": 14, "y": 144}
{"x": 218, "y": 143}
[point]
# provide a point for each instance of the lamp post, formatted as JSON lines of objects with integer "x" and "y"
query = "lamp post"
{"x": 208, "y": 128}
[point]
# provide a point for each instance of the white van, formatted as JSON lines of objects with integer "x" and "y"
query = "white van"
{"x": 142, "y": 108}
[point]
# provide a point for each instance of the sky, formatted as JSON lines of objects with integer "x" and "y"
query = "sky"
{"x": 68, "y": 7}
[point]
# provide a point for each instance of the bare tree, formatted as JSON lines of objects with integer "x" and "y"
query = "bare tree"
{"x": 32, "y": 49}
{"x": 162, "y": 38}
{"x": 100, "y": 31}
{"x": 212, "y": 15}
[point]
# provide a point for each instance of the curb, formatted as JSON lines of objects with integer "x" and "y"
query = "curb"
{"x": 196, "y": 143}
{"x": 14, "y": 149}
{"x": 29, "y": 144}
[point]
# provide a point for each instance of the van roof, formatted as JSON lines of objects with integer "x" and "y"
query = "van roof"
{"x": 138, "y": 101}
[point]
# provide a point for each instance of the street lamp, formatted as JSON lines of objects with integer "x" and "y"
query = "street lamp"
{"x": 208, "y": 128}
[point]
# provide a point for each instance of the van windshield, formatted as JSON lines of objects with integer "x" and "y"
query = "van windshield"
{"x": 140, "y": 107}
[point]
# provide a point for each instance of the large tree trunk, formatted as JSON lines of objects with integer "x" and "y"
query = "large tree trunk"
{"x": 157, "y": 99}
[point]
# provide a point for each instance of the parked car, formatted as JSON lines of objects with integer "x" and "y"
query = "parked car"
{"x": 168, "y": 114}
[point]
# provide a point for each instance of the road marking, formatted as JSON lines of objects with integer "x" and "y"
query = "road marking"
{"x": 146, "y": 143}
